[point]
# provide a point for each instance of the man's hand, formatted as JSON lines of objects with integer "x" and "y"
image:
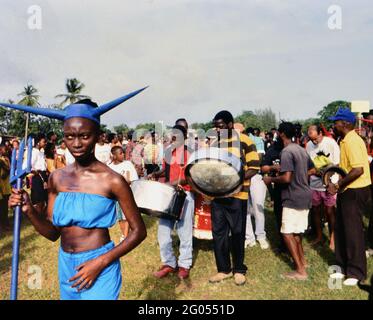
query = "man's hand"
{"x": 332, "y": 189}
{"x": 318, "y": 173}
{"x": 276, "y": 167}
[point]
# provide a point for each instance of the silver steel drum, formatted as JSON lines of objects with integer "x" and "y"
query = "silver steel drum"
{"x": 158, "y": 199}
{"x": 332, "y": 174}
{"x": 214, "y": 172}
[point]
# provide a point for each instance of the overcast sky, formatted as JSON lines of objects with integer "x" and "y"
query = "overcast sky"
{"x": 197, "y": 56}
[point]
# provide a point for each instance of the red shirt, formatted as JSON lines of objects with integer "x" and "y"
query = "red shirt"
{"x": 175, "y": 167}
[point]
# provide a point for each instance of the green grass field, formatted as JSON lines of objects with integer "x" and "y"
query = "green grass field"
{"x": 264, "y": 279}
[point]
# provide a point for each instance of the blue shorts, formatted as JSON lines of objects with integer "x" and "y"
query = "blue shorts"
{"x": 106, "y": 286}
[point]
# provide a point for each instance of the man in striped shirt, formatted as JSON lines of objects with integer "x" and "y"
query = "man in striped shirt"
{"x": 228, "y": 215}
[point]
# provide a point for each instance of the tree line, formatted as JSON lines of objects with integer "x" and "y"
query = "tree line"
{"x": 13, "y": 123}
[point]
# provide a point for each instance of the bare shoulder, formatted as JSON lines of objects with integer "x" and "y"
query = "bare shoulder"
{"x": 110, "y": 174}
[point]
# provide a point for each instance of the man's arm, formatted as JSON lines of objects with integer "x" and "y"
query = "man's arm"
{"x": 251, "y": 157}
{"x": 354, "y": 174}
{"x": 285, "y": 178}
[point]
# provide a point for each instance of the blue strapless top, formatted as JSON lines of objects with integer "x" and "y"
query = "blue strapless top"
{"x": 84, "y": 210}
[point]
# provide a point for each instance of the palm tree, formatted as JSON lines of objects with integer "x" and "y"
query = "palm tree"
{"x": 74, "y": 88}
{"x": 30, "y": 98}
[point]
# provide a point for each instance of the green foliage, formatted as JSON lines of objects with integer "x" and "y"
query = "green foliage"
{"x": 265, "y": 119}
{"x": 13, "y": 122}
{"x": 330, "y": 110}
{"x": 307, "y": 122}
{"x": 145, "y": 126}
{"x": 74, "y": 88}
{"x": 204, "y": 126}
{"x": 122, "y": 128}
{"x": 104, "y": 128}
{"x": 5, "y": 118}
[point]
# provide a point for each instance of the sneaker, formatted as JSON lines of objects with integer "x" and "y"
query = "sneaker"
{"x": 337, "y": 275}
{"x": 250, "y": 244}
{"x": 183, "y": 273}
{"x": 239, "y": 279}
{"x": 164, "y": 271}
{"x": 350, "y": 282}
{"x": 220, "y": 276}
{"x": 263, "y": 244}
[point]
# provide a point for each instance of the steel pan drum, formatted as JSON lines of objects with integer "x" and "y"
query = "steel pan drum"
{"x": 332, "y": 174}
{"x": 214, "y": 172}
{"x": 158, "y": 199}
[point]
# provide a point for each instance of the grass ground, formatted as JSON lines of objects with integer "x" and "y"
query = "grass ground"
{"x": 264, "y": 279}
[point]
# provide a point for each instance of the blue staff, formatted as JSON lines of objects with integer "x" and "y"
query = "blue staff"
{"x": 17, "y": 174}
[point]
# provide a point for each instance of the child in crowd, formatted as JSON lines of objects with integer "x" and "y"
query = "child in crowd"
{"x": 128, "y": 171}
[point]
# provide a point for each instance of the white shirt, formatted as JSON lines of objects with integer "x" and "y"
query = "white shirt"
{"x": 38, "y": 160}
{"x": 124, "y": 167}
{"x": 68, "y": 156}
{"x": 102, "y": 153}
{"x": 328, "y": 146}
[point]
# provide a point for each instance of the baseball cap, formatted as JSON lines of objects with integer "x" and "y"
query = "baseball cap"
{"x": 344, "y": 114}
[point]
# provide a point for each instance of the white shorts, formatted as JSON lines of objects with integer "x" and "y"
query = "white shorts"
{"x": 294, "y": 221}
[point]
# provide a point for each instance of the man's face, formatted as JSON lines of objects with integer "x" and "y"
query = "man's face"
{"x": 2, "y": 151}
{"x": 338, "y": 127}
{"x": 80, "y": 136}
{"x": 313, "y": 134}
{"x": 182, "y": 123}
{"x": 42, "y": 143}
{"x": 177, "y": 137}
{"x": 220, "y": 125}
{"x": 370, "y": 117}
{"x": 119, "y": 155}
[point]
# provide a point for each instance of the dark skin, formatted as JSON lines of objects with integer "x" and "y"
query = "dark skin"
{"x": 219, "y": 125}
{"x": 342, "y": 128}
{"x": 87, "y": 175}
{"x": 292, "y": 241}
{"x": 176, "y": 144}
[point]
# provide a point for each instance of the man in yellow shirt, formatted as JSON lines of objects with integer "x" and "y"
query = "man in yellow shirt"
{"x": 353, "y": 196}
{"x": 228, "y": 215}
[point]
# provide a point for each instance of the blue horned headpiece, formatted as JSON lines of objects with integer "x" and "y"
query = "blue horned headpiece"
{"x": 74, "y": 110}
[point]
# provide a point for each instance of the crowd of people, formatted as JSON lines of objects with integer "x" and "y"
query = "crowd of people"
{"x": 284, "y": 165}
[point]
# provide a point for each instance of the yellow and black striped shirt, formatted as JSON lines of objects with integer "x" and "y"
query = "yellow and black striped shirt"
{"x": 244, "y": 149}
